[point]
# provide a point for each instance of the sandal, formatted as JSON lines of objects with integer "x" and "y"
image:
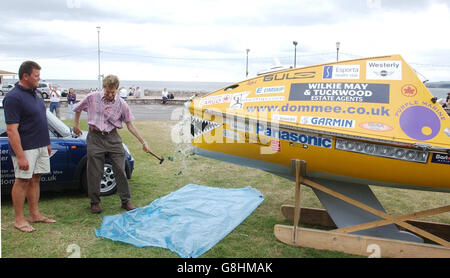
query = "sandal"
{"x": 26, "y": 228}
{"x": 43, "y": 220}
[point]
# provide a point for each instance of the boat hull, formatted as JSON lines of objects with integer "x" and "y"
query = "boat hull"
{"x": 366, "y": 121}
{"x": 331, "y": 164}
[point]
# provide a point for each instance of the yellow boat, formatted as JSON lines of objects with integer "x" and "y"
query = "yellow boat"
{"x": 358, "y": 122}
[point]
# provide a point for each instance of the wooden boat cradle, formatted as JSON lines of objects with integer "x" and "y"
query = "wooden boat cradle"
{"x": 340, "y": 239}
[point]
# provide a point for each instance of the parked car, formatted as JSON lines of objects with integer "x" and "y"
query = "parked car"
{"x": 67, "y": 161}
{"x": 44, "y": 88}
{"x": 5, "y": 89}
{"x": 64, "y": 92}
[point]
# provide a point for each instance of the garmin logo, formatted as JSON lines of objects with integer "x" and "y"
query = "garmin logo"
{"x": 323, "y": 121}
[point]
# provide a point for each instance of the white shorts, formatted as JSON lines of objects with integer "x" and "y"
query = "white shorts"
{"x": 38, "y": 162}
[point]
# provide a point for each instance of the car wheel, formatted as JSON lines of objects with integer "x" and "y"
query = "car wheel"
{"x": 44, "y": 95}
{"x": 1, "y": 93}
{"x": 108, "y": 185}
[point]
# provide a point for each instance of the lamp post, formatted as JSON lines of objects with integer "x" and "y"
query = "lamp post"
{"x": 295, "y": 53}
{"x": 338, "y": 44}
{"x": 98, "y": 51}
{"x": 246, "y": 67}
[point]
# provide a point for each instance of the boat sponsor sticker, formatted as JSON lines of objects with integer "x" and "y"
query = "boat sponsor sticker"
{"x": 324, "y": 121}
{"x": 284, "y": 118}
{"x": 308, "y": 108}
{"x": 294, "y": 136}
{"x": 340, "y": 92}
{"x": 211, "y": 100}
{"x": 341, "y": 72}
{"x": 384, "y": 70}
{"x": 270, "y": 90}
{"x": 406, "y": 154}
{"x": 252, "y": 82}
{"x": 289, "y": 76}
{"x": 238, "y": 99}
{"x": 275, "y": 145}
{"x": 409, "y": 90}
{"x": 420, "y": 120}
{"x": 374, "y": 126}
{"x": 440, "y": 158}
{"x": 264, "y": 99}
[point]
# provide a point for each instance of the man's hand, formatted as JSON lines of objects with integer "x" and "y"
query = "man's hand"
{"x": 77, "y": 130}
{"x": 23, "y": 163}
{"x": 14, "y": 141}
{"x": 133, "y": 131}
{"x": 76, "y": 121}
{"x": 145, "y": 148}
{"x": 49, "y": 149}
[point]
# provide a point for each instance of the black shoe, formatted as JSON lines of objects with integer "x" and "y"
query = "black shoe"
{"x": 128, "y": 206}
{"x": 95, "y": 208}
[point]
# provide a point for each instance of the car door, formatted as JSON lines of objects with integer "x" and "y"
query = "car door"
{"x": 6, "y": 166}
{"x": 58, "y": 164}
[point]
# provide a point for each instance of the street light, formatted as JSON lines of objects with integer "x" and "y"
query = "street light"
{"x": 338, "y": 44}
{"x": 246, "y": 67}
{"x": 98, "y": 50}
{"x": 295, "y": 53}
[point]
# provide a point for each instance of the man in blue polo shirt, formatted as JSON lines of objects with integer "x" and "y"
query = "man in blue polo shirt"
{"x": 29, "y": 144}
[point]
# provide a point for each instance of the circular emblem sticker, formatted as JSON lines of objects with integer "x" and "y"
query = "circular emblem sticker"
{"x": 420, "y": 123}
{"x": 409, "y": 90}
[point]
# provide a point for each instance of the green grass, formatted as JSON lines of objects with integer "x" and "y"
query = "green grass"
{"x": 252, "y": 238}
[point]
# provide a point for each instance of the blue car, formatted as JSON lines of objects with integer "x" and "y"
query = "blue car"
{"x": 67, "y": 160}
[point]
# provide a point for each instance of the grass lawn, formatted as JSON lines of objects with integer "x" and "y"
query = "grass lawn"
{"x": 252, "y": 238}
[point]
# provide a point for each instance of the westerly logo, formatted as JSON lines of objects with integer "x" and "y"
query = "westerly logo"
{"x": 384, "y": 70}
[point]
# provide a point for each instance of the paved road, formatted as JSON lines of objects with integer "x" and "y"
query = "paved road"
{"x": 156, "y": 112}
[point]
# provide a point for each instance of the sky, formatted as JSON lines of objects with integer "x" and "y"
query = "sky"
{"x": 206, "y": 40}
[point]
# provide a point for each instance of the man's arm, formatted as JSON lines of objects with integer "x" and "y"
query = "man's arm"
{"x": 78, "y": 108}
{"x": 16, "y": 145}
{"x": 76, "y": 121}
{"x": 133, "y": 130}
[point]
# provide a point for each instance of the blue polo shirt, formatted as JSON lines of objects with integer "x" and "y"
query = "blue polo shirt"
{"x": 24, "y": 107}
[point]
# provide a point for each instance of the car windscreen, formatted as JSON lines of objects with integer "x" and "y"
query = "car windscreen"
{"x": 57, "y": 125}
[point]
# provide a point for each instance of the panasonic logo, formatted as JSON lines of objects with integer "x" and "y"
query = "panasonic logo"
{"x": 308, "y": 139}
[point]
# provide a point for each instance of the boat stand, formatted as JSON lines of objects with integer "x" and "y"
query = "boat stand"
{"x": 341, "y": 240}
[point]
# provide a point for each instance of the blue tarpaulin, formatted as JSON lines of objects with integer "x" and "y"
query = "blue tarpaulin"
{"x": 189, "y": 221}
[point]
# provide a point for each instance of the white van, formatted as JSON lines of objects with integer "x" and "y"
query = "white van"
{"x": 6, "y": 88}
{"x": 44, "y": 87}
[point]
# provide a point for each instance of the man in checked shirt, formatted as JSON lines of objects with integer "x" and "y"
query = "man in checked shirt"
{"x": 106, "y": 112}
